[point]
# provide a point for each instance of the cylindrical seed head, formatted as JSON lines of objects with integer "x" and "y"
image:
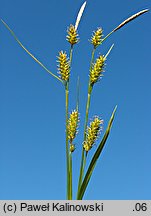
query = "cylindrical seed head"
{"x": 97, "y": 69}
{"x": 92, "y": 133}
{"x": 97, "y": 37}
{"x": 63, "y": 66}
{"x": 73, "y": 125}
{"x": 72, "y": 36}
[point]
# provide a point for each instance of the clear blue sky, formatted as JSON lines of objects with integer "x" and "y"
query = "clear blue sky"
{"x": 32, "y": 108}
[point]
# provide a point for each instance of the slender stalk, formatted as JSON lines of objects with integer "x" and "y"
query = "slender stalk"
{"x": 107, "y": 36}
{"x": 70, "y": 179}
{"x": 67, "y": 144}
{"x": 70, "y": 55}
{"x": 92, "y": 58}
{"x": 68, "y": 155}
{"x": 83, "y": 157}
{"x": 89, "y": 97}
{"x": 77, "y": 100}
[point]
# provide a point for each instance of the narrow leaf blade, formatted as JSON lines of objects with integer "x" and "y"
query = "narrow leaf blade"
{"x": 95, "y": 157}
{"x": 29, "y": 53}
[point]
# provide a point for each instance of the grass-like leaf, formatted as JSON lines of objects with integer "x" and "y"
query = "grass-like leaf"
{"x": 95, "y": 158}
{"x": 18, "y": 41}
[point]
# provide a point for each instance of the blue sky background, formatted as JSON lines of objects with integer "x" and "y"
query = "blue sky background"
{"x": 32, "y": 108}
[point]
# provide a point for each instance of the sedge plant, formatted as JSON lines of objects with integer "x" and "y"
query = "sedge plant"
{"x": 92, "y": 130}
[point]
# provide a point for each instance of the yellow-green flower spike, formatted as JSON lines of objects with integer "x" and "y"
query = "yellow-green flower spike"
{"x": 63, "y": 66}
{"x": 97, "y": 37}
{"x": 72, "y": 125}
{"x": 97, "y": 69}
{"x": 72, "y": 36}
{"x": 92, "y": 133}
{"x": 72, "y": 148}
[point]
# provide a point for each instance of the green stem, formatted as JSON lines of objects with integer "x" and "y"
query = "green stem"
{"x": 67, "y": 144}
{"x": 70, "y": 179}
{"x": 70, "y": 55}
{"x": 89, "y": 96}
{"x": 83, "y": 157}
{"x": 106, "y": 36}
{"x": 68, "y": 155}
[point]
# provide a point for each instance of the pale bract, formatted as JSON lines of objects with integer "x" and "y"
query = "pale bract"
{"x": 80, "y": 15}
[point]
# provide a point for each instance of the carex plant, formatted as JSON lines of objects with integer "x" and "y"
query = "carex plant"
{"x": 91, "y": 131}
